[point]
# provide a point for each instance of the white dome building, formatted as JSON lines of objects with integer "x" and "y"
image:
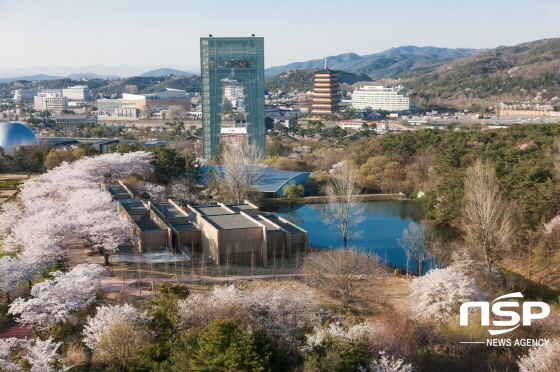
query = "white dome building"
{"x": 14, "y": 135}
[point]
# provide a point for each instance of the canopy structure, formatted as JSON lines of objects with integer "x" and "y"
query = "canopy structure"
{"x": 271, "y": 181}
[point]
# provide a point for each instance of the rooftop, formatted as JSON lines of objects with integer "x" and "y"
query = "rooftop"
{"x": 75, "y": 117}
{"x": 184, "y": 227}
{"x": 241, "y": 207}
{"x": 231, "y": 221}
{"x": 169, "y": 210}
{"x": 73, "y": 141}
{"x": 269, "y": 225}
{"x": 211, "y": 210}
{"x": 147, "y": 224}
{"x": 135, "y": 207}
{"x": 285, "y": 225}
{"x": 116, "y": 189}
{"x": 271, "y": 180}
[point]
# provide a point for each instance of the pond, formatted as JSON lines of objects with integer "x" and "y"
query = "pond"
{"x": 384, "y": 223}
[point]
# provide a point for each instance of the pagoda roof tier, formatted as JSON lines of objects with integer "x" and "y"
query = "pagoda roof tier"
{"x": 325, "y": 71}
{"x": 325, "y": 91}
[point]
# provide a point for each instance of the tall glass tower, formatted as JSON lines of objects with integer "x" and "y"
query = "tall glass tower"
{"x": 225, "y": 61}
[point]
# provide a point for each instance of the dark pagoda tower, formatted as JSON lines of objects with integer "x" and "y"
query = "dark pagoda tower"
{"x": 326, "y": 93}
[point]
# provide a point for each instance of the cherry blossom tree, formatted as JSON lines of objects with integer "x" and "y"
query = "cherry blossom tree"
{"x": 541, "y": 358}
{"x": 156, "y": 192}
{"x": 6, "y": 348}
{"x": 40, "y": 356}
{"x": 107, "y": 317}
{"x": 53, "y": 301}
{"x": 115, "y": 332}
{"x": 187, "y": 192}
{"x": 43, "y": 356}
{"x": 9, "y": 217}
{"x": 349, "y": 333}
{"x": 13, "y": 272}
{"x": 68, "y": 200}
{"x": 549, "y": 226}
{"x": 283, "y": 311}
{"x": 115, "y": 166}
{"x": 387, "y": 364}
{"x": 438, "y": 295}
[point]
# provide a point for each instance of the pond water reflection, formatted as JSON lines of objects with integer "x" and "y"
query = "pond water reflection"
{"x": 384, "y": 223}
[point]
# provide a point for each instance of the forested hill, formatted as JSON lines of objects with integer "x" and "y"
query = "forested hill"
{"x": 302, "y": 80}
{"x": 524, "y": 72}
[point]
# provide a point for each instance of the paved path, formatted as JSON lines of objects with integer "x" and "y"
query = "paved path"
{"x": 14, "y": 330}
{"x": 74, "y": 253}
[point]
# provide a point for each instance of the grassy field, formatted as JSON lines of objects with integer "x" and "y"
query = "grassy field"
{"x": 10, "y": 183}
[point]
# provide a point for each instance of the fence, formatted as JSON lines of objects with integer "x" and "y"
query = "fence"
{"x": 407, "y": 271}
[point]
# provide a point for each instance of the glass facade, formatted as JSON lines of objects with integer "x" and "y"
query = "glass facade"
{"x": 223, "y": 60}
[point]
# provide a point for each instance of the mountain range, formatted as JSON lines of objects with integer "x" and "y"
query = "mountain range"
{"x": 459, "y": 78}
{"x": 381, "y": 65}
{"x": 90, "y": 72}
{"x": 528, "y": 72}
{"x": 454, "y": 78}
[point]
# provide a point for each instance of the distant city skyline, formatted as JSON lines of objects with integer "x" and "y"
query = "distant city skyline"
{"x": 144, "y": 35}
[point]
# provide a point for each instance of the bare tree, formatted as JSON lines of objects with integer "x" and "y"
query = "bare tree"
{"x": 487, "y": 221}
{"x": 555, "y": 154}
{"x": 343, "y": 211}
{"x": 415, "y": 246}
{"x": 240, "y": 172}
{"x": 346, "y": 274}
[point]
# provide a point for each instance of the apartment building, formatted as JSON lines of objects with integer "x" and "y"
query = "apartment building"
{"x": 50, "y": 101}
{"x": 379, "y": 97}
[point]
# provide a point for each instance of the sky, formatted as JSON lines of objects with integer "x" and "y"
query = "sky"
{"x": 150, "y": 34}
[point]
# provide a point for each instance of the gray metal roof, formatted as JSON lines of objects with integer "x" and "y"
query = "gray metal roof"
{"x": 184, "y": 227}
{"x": 116, "y": 189}
{"x": 285, "y": 225}
{"x": 271, "y": 180}
{"x": 74, "y": 116}
{"x": 134, "y": 207}
{"x": 269, "y": 226}
{"x": 241, "y": 207}
{"x": 231, "y": 221}
{"x": 147, "y": 224}
{"x": 211, "y": 210}
{"x": 168, "y": 210}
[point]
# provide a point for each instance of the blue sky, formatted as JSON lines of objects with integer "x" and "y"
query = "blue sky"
{"x": 165, "y": 33}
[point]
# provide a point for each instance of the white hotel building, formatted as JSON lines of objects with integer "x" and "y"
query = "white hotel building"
{"x": 379, "y": 97}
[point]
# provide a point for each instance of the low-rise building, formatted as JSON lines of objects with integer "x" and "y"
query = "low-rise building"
{"x": 116, "y": 108}
{"x": 239, "y": 234}
{"x": 286, "y": 121}
{"x": 165, "y": 99}
{"x": 213, "y": 234}
{"x": 76, "y": 120}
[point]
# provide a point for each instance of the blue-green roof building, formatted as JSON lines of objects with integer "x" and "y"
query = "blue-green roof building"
{"x": 227, "y": 61}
